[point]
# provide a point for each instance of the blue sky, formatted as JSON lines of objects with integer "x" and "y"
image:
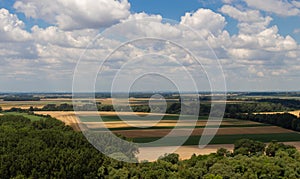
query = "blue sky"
{"x": 256, "y": 42}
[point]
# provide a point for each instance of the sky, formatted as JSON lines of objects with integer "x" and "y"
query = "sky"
{"x": 149, "y": 45}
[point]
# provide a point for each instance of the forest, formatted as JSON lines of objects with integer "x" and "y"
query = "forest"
{"x": 285, "y": 120}
{"x": 49, "y": 149}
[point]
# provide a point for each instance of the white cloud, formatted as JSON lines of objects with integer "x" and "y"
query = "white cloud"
{"x": 279, "y": 7}
{"x": 75, "y": 14}
{"x": 242, "y": 16}
{"x": 204, "y": 20}
{"x": 254, "y": 27}
{"x": 53, "y": 35}
{"x": 258, "y": 48}
{"x": 11, "y": 28}
{"x": 250, "y": 21}
{"x": 257, "y": 51}
{"x": 144, "y": 25}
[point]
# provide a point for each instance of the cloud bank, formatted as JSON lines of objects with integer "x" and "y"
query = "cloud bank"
{"x": 252, "y": 58}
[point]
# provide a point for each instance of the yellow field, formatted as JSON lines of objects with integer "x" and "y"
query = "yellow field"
{"x": 296, "y": 113}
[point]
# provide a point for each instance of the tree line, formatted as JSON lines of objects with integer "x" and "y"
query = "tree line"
{"x": 290, "y": 103}
{"x": 270, "y": 105}
{"x": 285, "y": 120}
{"x": 21, "y": 98}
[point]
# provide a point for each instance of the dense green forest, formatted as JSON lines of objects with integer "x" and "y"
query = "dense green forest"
{"x": 290, "y": 103}
{"x": 285, "y": 120}
{"x": 49, "y": 149}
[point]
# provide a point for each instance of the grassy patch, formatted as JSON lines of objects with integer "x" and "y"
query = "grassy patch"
{"x": 222, "y": 139}
{"x": 29, "y": 116}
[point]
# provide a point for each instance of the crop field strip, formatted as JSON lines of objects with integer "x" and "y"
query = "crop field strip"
{"x": 221, "y": 139}
{"x": 179, "y": 127}
{"x": 113, "y": 121}
{"x": 198, "y": 131}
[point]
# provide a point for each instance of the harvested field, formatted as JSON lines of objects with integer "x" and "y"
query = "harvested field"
{"x": 296, "y": 113}
{"x": 23, "y": 105}
{"x": 185, "y": 152}
{"x": 68, "y": 117}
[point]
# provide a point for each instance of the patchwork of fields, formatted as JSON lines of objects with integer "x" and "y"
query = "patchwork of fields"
{"x": 145, "y": 127}
{"x": 150, "y": 127}
{"x": 230, "y": 129}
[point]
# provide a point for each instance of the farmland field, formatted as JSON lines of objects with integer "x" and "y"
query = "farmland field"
{"x": 230, "y": 130}
{"x": 150, "y": 127}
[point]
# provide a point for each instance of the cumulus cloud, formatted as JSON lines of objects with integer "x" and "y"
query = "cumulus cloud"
{"x": 268, "y": 39}
{"x": 204, "y": 20}
{"x": 145, "y": 25}
{"x": 279, "y": 7}
{"x": 70, "y": 14}
{"x": 267, "y": 48}
{"x": 56, "y": 36}
{"x": 242, "y": 16}
{"x": 250, "y": 21}
{"x": 11, "y": 28}
{"x": 258, "y": 50}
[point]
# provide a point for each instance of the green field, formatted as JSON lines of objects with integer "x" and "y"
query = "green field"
{"x": 223, "y": 139}
{"x": 29, "y": 116}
